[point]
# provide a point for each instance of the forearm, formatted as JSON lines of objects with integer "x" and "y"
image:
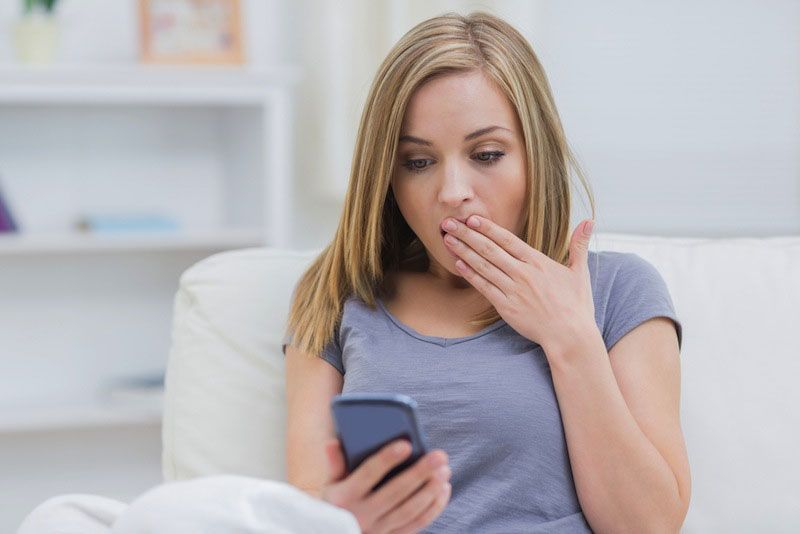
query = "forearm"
{"x": 623, "y": 482}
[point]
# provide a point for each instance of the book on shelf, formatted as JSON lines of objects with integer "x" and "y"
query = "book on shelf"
{"x": 124, "y": 223}
{"x": 7, "y": 222}
{"x": 141, "y": 391}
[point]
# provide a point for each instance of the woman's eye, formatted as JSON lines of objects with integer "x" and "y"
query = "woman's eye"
{"x": 489, "y": 158}
{"x": 416, "y": 165}
{"x": 484, "y": 158}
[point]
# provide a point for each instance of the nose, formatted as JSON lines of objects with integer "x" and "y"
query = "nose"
{"x": 456, "y": 186}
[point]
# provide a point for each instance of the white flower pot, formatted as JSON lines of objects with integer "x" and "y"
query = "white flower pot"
{"x": 36, "y": 38}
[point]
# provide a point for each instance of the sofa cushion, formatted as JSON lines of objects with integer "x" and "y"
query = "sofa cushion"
{"x": 738, "y": 300}
{"x": 224, "y": 387}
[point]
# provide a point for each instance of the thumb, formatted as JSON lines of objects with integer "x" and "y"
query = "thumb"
{"x": 336, "y": 465}
{"x": 579, "y": 246}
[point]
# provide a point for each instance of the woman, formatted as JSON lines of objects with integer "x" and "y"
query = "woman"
{"x": 547, "y": 375}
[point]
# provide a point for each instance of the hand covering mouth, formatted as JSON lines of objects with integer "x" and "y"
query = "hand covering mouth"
{"x": 461, "y": 219}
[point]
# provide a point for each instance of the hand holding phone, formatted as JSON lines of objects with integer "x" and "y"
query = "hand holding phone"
{"x": 383, "y": 487}
{"x": 365, "y": 422}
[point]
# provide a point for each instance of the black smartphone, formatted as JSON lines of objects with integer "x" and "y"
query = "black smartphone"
{"x": 365, "y": 422}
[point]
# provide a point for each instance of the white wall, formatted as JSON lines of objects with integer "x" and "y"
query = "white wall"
{"x": 683, "y": 114}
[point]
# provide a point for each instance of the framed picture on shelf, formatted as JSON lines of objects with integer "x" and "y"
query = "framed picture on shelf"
{"x": 191, "y": 31}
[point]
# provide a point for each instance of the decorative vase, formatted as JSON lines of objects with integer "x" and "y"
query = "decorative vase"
{"x": 36, "y": 37}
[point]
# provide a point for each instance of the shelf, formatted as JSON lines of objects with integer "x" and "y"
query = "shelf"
{"x": 209, "y": 146}
{"x": 66, "y": 417}
{"x": 15, "y": 244}
{"x": 132, "y": 84}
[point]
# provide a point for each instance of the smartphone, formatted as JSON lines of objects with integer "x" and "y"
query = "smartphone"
{"x": 365, "y": 422}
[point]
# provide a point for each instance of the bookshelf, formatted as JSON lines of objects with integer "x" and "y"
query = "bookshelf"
{"x": 82, "y": 313}
{"x": 208, "y": 146}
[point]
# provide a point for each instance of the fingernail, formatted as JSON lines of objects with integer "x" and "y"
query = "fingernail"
{"x": 450, "y": 225}
{"x": 587, "y": 228}
{"x": 399, "y": 448}
{"x": 473, "y": 222}
{"x": 434, "y": 459}
{"x": 443, "y": 472}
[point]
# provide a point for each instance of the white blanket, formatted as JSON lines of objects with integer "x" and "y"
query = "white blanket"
{"x": 212, "y": 504}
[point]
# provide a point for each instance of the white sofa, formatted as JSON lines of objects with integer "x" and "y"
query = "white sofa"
{"x": 738, "y": 299}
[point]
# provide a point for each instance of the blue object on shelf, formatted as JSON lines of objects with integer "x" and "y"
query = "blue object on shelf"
{"x": 127, "y": 223}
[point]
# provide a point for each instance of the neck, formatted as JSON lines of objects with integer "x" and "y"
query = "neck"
{"x": 456, "y": 286}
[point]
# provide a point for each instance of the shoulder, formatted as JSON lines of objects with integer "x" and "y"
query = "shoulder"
{"x": 624, "y": 279}
{"x": 356, "y": 312}
{"x": 354, "y": 305}
{"x": 606, "y": 266}
{"x": 628, "y": 290}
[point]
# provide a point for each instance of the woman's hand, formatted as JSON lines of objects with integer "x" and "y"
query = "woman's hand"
{"x": 407, "y": 503}
{"x": 546, "y": 302}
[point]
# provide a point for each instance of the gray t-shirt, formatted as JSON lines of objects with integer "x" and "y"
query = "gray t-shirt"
{"x": 488, "y": 399}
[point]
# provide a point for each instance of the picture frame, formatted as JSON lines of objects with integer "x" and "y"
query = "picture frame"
{"x": 191, "y": 32}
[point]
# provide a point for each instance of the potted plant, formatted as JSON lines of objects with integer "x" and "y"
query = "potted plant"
{"x": 36, "y": 32}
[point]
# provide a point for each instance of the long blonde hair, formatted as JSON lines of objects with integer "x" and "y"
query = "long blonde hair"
{"x": 372, "y": 237}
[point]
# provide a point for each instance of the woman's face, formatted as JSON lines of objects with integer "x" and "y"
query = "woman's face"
{"x": 460, "y": 152}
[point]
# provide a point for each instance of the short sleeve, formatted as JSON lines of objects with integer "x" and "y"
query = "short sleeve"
{"x": 331, "y": 353}
{"x": 638, "y": 293}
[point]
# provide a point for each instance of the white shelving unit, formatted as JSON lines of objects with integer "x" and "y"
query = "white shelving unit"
{"x": 208, "y": 146}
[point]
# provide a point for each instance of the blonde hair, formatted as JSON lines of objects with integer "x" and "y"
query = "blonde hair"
{"x": 372, "y": 236}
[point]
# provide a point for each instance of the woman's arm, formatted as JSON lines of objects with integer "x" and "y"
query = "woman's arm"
{"x": 407, "y": 503}
{"x": 311, "y": 383}
{"x": 621, "y": 415}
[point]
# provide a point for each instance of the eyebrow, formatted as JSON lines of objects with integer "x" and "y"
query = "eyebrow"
{"x": 473, "y": 135}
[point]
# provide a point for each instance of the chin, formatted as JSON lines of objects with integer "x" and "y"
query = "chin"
{"x": 448, "y": 262}
{"x": 445, "y": 259}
